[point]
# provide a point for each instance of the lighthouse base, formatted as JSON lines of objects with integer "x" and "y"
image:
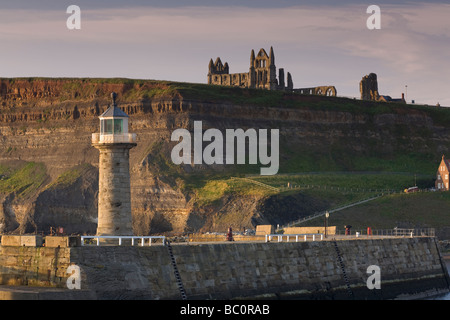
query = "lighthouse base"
{"x": 114, "y": 198}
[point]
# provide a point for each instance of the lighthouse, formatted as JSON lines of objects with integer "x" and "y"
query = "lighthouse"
{"x": 114, "y": 197}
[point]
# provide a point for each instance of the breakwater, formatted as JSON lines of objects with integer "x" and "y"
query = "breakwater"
{"x": 304, "y": 270}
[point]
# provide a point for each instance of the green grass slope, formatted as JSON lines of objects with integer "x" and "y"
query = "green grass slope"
{"x": 417, "y": 210}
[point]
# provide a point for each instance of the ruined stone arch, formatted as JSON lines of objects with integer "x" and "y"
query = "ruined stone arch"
{"x": 331, "y": 92}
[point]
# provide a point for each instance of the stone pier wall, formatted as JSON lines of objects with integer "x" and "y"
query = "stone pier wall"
{"x": 304, "y": 270}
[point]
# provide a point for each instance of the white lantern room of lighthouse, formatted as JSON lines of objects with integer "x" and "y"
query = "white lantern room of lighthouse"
{"x": 114, "y": 126}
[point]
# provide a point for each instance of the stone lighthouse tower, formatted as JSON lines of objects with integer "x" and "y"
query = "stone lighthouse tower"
{"x": 114, "y": 199}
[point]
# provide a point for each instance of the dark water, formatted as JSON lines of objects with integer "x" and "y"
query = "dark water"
{"x": 447, "y": 295}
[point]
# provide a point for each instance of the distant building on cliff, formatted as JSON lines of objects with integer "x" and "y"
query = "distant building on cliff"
{"x": 368, "y": 87}
{"x": 261, "y": 75}
{"x": 442, "y": 176}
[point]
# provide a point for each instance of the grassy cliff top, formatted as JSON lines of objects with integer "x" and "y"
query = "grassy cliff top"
{"x": 134, "y": 90}
{"x": 392, "y": 142}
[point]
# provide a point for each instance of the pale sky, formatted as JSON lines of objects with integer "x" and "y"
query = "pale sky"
{"x": 318, "y": 42}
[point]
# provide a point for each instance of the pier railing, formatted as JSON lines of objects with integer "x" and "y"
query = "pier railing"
{"x": 341, "y": 234}
{"x": 297, "y": 237}
{"x": 140, "y": 239}
{"x": 395, "y": 232}
{"x": 114, "y": 138}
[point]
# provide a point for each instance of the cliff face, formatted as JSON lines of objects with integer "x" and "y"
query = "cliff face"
{"x": 49, "y": 122}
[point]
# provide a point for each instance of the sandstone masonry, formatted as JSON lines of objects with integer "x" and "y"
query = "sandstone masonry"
{"x": 304, "y": 270}
{"x": 114, "y": 200}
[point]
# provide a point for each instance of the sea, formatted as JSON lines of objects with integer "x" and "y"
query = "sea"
{"x": 445, "y": 296}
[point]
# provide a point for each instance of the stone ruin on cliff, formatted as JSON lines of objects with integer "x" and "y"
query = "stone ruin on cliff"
{"x": 261, "y": 75}
{"x": 368, "y": 87}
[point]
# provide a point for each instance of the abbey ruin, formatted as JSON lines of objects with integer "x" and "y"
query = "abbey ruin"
{"x": 368, "y": 87}
{"x": 261, "y": 75}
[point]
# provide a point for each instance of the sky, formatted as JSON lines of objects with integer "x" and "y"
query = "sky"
{"x": 318, "y": 42}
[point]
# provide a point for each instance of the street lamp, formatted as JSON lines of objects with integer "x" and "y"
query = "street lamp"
{"x": 327, "y": 215}
{"x": 406, "y": 93}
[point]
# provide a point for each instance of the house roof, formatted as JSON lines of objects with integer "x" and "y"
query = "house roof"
{"x": 446, "y": 162}
{"x": 114, "y": 111}
{"x": 390, "y": 99}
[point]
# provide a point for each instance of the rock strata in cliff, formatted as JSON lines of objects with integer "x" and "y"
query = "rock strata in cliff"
{"x": 47, "y": 124}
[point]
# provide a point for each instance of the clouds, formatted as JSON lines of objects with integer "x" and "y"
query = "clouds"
{"x": 318, "y": 44}
{"x": 410, "y": 37}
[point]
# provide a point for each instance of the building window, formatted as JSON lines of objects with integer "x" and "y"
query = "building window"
{"x": 118, "y": 126}
{"x": 107, "y": 127}
{"x": 111, "y": 126}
